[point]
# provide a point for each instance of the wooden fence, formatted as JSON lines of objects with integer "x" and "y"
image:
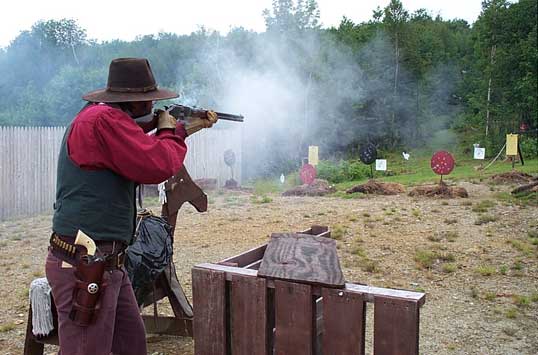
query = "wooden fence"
{"x": 28, "y": 159}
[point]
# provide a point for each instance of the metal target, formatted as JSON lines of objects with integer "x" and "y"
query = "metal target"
{"x": 229, "y": 157}
{"x": 368, "y": 153}
{"x": 442, "y": 163}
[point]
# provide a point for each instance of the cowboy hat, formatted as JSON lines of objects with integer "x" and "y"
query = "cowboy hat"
{"x": 129, "y": 79}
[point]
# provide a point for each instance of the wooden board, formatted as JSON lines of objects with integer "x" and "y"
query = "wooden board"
{"x": 370, "y": 293}
{"x": 396, "y": 326}
{"x": 249, "y": 322}
{"x": 302, "y": 258}
{"x": 209, "y": 325}
{"x": 294, "y": 319}
{"x": 344, "y": 319}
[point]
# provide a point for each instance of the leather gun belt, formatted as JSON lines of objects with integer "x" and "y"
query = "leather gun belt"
{"x": 64, "y": 248}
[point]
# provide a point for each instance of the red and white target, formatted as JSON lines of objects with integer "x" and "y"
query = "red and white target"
{"x": 442, "y": 163}
{"x": 308, "y": 174}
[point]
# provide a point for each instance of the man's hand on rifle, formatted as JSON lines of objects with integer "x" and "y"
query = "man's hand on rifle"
{"x": 194, "y": 124}
{"x": 165, "y": 120}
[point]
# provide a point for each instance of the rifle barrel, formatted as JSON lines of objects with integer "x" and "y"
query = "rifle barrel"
{"x": 230, "y": 117}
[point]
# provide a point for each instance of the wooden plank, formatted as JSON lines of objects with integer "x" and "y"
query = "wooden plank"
{"x": 302, "y": 258}
{"x": 344, "y": 319}
{"x": 396, "y": 326}
{"x": 249, "y": 322}
{"x": 209, "y": 298}
{"x": 247, "y": 257}
{"x": 294, "y": 319}
{"x": 370, "y": 293}
{"x": 168, "y": 325}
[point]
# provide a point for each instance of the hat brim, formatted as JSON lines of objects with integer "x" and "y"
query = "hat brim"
{"x": 104, "y": 95}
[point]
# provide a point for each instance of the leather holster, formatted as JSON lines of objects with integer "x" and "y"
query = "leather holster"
{"x": 89, "y": 288}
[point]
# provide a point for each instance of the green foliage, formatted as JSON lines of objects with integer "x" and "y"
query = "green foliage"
{"x": 343, "y": 170}
{"x": 409, "y": 79}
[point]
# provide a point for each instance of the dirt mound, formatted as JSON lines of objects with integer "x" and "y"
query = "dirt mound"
{"x": 231, "y": 184}
{"x": 441, "y": 190}
{"x": 319, "y": 187}
{"x": 378, "y": 188}
{"x": 512, "y": 177}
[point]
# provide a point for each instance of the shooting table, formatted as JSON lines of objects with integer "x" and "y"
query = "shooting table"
{"x": 239, "y": 312}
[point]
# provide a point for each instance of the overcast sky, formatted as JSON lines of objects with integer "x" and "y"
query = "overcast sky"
{"x": 113, "y": 19}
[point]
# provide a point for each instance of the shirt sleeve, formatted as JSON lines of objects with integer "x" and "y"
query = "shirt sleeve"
{"x": 114, "y": 141}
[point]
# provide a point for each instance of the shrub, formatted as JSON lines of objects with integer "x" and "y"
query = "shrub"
{"x": 342, "y": 171}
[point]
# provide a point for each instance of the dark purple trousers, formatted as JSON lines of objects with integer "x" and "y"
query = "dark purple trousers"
{"x": 118, "y": 329}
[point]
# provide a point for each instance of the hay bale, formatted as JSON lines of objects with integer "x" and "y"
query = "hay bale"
{"x": 512, "y": 177}
{"x": 441, "y": 190}
{"x": 378, "y": 188}
{"x": 319, "y": 187}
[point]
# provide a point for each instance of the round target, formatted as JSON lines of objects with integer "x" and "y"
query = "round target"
{"x": 368, "y": 153}
{"x": 308, "y": 174}
{"x": 229, "y": 157}
{"x": 442, "y": 163}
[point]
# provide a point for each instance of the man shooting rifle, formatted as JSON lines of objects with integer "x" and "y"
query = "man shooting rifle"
{"x": 104, "y": 155}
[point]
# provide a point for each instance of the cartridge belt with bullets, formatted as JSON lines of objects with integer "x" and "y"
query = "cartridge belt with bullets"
{"x": 64, "y": 248}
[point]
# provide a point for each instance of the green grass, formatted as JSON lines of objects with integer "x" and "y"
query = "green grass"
{"x": 338, "y": 231}
{"x": 485, "y": 218}
{"x": 6, "y": 327}
{"x": 418, "y": 171}
{"x": 511, "y": 313}
{"x": 425, "y": 258}
{"x": 485, "y": 270}
{"x": 521, "y": 301}
{"x": 521, "y": 246}
{"x": 261, "y": 199}
{"x": 449, "y": 268}
{"x": 483, "y": 206}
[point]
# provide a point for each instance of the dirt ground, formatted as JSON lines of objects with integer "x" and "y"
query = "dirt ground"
{"x": 475, "y": 260}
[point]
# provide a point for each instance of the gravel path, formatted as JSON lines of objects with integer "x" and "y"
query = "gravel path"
{"x": 481, "y": 280}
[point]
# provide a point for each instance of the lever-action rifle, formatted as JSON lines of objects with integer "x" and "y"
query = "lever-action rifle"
{"x": 183, "y": 113}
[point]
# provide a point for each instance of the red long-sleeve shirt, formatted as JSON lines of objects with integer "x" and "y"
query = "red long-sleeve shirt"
{"x": 104, "y": 137}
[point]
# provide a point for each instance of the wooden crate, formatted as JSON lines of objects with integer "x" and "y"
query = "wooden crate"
{"x": 239, "y": 313}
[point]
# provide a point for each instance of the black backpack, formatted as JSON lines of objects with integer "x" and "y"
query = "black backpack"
{"x": 150, "y": 253}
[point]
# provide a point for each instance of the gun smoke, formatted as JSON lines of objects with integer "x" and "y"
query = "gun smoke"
{"x": 311, "y": 90}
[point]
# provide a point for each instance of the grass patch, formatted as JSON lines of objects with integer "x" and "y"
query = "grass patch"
{"x": 485, "y": 270}
{"x": 521, "y": 301}
{"x": 483, "y": 206}
{"x": 7, "y": 327}
{"x": 416, "y": 212}
{"x": 425, "y": 258}
{"x": 338, "y": 231}
{"x": 485, "y": 218}
{"x": 511, "y": 313}
{"x": 518, "y": 265}
{"x": 521, "y": 246}
{"x": 503, "y": 269}
{"x": 261, "y": 199}
{"x": 449, "y": 268}
{"x": 490, "y": 296}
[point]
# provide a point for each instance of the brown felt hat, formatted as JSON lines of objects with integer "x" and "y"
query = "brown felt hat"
{"x": 129, "y": 79}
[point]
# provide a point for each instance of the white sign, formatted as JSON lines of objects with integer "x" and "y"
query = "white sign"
{"x": 479, "y": 153}
{"x": 381, "y": 164}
